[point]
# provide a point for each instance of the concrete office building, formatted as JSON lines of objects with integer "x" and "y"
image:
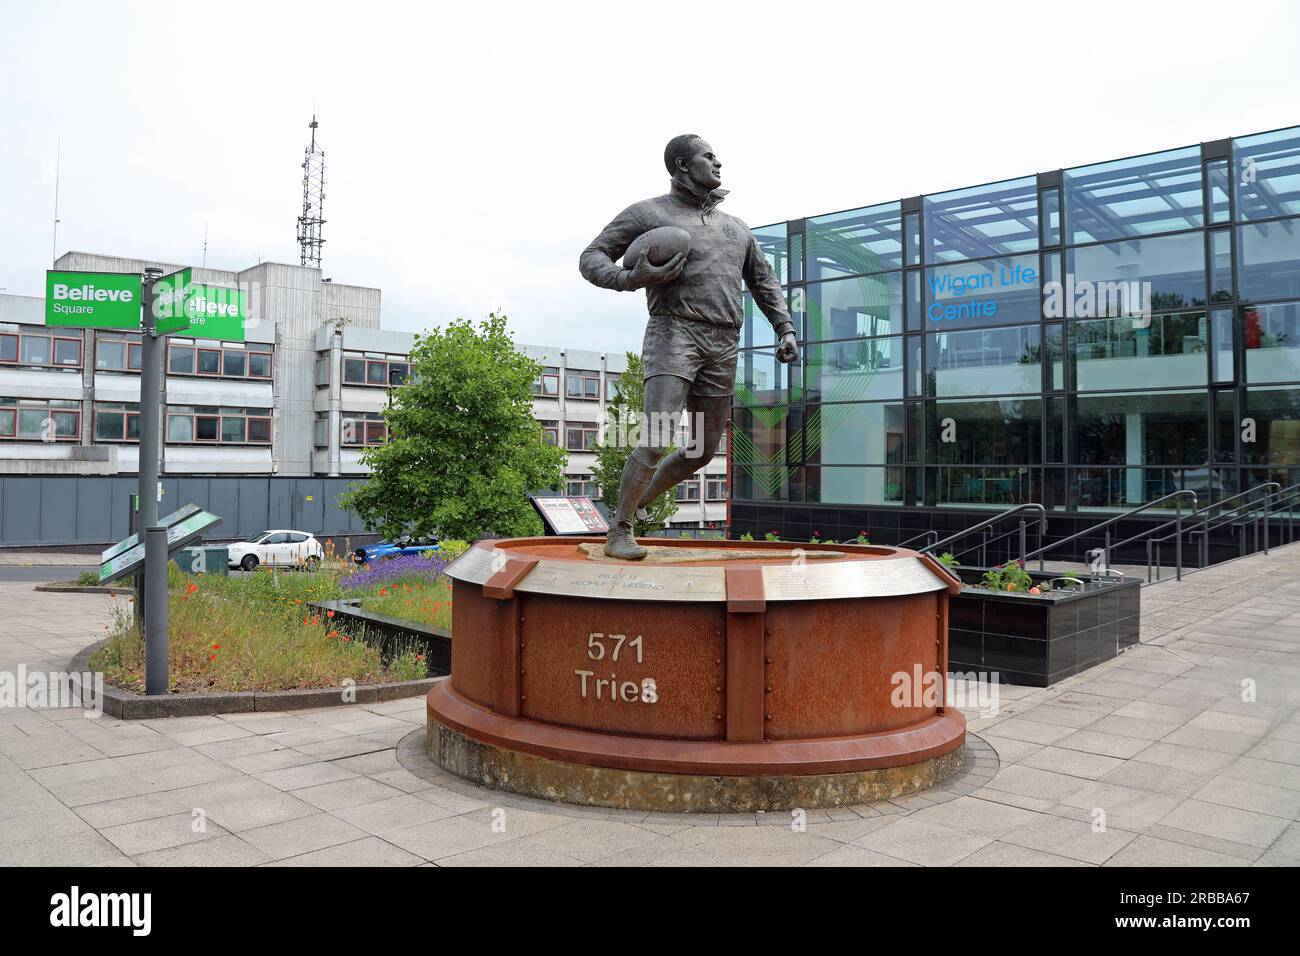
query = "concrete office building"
{"x": 303, "y": 395}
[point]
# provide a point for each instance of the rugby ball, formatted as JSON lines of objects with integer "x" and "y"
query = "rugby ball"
{"x": 663, "y": 243}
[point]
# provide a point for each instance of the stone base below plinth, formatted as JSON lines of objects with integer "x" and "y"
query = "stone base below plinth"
{"x": 500, "y": 768}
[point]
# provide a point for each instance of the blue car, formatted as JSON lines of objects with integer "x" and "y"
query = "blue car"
{"x": 392, "y": 549}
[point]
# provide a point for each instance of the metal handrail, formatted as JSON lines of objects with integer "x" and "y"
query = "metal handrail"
{"x": 923, "y": 534}
{"x": 989, "y": 522}
{"x": 1172, "y": 496}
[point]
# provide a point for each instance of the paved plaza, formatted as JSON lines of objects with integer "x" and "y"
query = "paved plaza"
{"x": 1185, "y": 751}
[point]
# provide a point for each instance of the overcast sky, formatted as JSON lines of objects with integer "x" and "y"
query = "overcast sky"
{"x": 472, "y": 150}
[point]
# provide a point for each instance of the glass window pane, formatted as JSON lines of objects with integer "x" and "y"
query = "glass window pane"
{"x": 209, "y": 362}
{"x": 67, "y": 352}
{"x": 982, "y": 487}
{"x": 1220, "y": 249}
{"x": 180, "y": 428}
{"x": 1160, "y": 192}
{"x": 1268, "y": 260}
{"x": 758, "y": 331}
{"x": 1216, "y": 172}
{"x": 33, "y": 423}
{"x": 912, "y": 239}
{"x": 135, "y": 356}
{"x": 853, "y": 486}
{"x": 67, "y": 424}
{"x": 206, "y": 429}
{"x": 259, "y": 364}
{"x": 1271, "y": 338}
{"x": 1224, "y": 335}
{"x": 36, "y": 349}
{"x": 912, "y": 309}
{"x": 377, "y": 373}
{"x": 1164, "y": 428}
{"x": 8, "y": 419}
{"x": 109, "y": 354}
{"x": 232, "y": 429}
{"x": 1173, "y": 265}
{"x": 1266, "y": 174}
{"x": 760, "y": 379}
{"x": 993, "y": 220}
{"x": 845, "y": 308}
{"x": 984, "y": 362}
{"x": 855, "y": 371}
{"x": 181, "y": 361}
{"x": 796, "y": 257}
{"x": 319, "y": 433}
{"x": 397, "y": 373}
{"x": 989, "y": 292}
{"x": 855, "y": 242}
{"x": 234, "y": 364}
{"x": 8, "y": 348}
{"x": 1113, "y": 354}
{"x": 771, "y": 239}
{"x": 133, "y": 427}
{"x": 1051, "y": 223}
{"x": 861, "y": 433}
{"x": 984, "y": 432}
{"x": 1274, "y": 437}
{"x": 354, "y": 370}
{"x": 109, "y": 426}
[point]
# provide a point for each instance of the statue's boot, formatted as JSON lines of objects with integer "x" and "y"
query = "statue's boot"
{"x": 620, "y": 542}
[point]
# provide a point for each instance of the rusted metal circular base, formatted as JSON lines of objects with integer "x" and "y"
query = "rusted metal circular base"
{"x": 705, "y": 681}
{"x": 528, "y": 774}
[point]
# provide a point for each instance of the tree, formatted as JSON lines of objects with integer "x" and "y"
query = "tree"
{"x": 463, "y": 448}
{"x": 621, "y": 429}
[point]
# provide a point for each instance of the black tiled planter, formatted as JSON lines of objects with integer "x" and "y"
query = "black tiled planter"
{"x": 1038, "y": 640}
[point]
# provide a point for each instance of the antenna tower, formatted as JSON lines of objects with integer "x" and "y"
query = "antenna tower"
{"x": 313, "y": 199}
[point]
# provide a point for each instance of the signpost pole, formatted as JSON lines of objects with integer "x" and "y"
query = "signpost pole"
{"x": 154, "y": 536}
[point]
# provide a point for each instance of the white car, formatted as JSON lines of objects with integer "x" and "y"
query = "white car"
{"x": 293, "y": 549}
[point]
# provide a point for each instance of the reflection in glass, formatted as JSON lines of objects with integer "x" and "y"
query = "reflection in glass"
{"x": 1173, "y": 265}
{"x": 1140, "y": 196}
{"x": 863, "y": 306}
{"x": 855, "y": 242}
{"x": 855, "y": 371}
{"x": 1271, "y": 340}
{"x": 1165, "y": 428}
{"x": 1004, "y": 361}
{"x": 1268, "y": 260}
{"x": 989, "y": 292}
{"x": 992, "y": 220}
{"x": 1220, "y": 251}
{"x": 984, "y": 432}
{"x": 1125, "y": 353}
{"x": 867, "y": 433}
{"x": 1276, "y": 413}
{"x": 771, "y": 239}
{"x": 1266, "y": 174}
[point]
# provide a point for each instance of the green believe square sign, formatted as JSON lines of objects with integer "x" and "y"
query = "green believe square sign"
{"x": 204, "y": 311}
{"x": 92, "y": 300}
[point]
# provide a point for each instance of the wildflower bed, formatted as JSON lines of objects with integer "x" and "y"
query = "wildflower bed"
{"x": 260, "y": 632}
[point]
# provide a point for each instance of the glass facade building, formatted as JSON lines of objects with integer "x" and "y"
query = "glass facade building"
{"x": 1088, "y": 338}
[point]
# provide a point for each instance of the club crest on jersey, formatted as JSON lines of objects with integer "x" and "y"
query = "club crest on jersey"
{"x": 729, "y": 231}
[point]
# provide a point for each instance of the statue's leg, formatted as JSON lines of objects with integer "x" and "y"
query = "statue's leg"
{"x": 664, "y": 397}
{"x": 708, "y": 420}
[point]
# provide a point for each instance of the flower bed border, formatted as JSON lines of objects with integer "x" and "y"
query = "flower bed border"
{"x": 126, "y": 705}
{"x": 348, "y": 613}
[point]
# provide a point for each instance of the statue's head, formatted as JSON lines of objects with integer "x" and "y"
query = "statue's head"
{"x": 690, "y": 159}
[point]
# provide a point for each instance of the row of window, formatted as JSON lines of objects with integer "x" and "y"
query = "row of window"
{"x": 356, "y": 429}
{"x": 39, "y": 420}
{"x": 1259, "y": 344}
{"x": 1144, "y": 275}
{"x": 124, "y": 354}
{"x": 1057, "y": 488}
{"x": 579, "y": 384}
{"x": 364, "y": 368}
{"x": 1133, "y": 198}
{"x": 715, "y": 489}
{"x": 1258, "y": 426}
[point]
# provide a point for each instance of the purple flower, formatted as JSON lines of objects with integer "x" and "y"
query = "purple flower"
{"x": 422, "y": 568}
